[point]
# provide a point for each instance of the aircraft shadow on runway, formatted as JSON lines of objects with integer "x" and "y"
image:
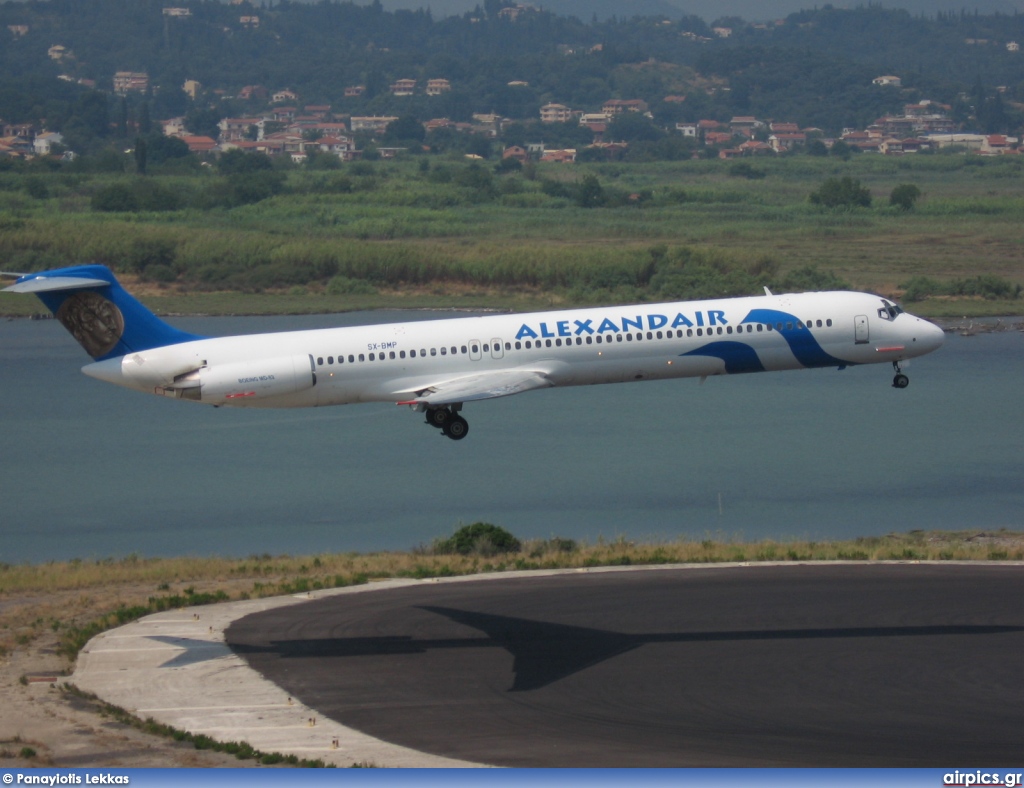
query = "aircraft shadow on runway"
{"x": 546, "y": 652}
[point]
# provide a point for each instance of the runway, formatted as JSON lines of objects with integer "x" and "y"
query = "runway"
{"x": 818, "y": 665}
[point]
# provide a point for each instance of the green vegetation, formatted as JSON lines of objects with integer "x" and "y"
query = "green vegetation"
{"x": 452, "y": 234}
{"x": 478, "y": 539}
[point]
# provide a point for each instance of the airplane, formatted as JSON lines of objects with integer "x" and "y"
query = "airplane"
{"x": 437, "y": 366}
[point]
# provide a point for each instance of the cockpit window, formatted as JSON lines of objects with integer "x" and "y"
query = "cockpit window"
{"x": 889, "y": 311}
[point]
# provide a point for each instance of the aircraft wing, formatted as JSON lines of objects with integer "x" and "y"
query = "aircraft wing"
{"x": 486, "y": 385}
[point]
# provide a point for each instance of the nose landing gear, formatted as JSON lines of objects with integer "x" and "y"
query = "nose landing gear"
{"x": 900, "y": 381}
{"x": 448, "y": 420}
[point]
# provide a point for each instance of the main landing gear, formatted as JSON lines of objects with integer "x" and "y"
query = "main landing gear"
{"x": 901, "y": 381}
{"x": 449, "y": 421}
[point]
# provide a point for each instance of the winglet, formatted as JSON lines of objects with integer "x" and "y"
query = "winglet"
{"x": 767, "y": 291}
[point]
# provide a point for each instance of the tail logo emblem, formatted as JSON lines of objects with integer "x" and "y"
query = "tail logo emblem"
{"x": 94, "y": 321}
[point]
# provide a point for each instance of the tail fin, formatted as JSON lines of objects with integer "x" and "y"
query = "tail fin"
{"x": 105, "y": 319}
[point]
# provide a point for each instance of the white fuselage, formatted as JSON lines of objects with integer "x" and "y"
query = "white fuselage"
{"x": 406, "y": 362}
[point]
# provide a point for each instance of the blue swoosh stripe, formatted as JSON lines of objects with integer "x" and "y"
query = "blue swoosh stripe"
{"x": 800, "y": 340}
{"x": 737, "y": 356}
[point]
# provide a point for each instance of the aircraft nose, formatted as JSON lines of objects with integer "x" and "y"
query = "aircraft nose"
{"x": 930, "y": 337}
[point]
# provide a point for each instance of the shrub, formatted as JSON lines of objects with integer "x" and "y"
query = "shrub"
{"x": 904, "y": 196}
{"x": 479, "y": 538}
{"x": 845, "y": 192}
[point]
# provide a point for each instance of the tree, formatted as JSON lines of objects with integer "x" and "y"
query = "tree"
{"x": 589, "y": 192}
{"x": 904, "y": 196}
{"x": 845, "y": 192}
{"x": 405, "y": 129}
{"x": 140, "y": 155}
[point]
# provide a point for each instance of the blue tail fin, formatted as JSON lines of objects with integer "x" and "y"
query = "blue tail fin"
{"x": 105, "y": 319}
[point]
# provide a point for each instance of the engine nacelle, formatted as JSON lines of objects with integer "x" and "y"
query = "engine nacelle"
{"x": 243, "y": 381}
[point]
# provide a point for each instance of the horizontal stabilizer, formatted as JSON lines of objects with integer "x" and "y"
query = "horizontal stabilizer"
{"x": 42, "y": 284}
{"x": 485, "y": 385}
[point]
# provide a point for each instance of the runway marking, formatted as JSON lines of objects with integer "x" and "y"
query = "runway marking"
{"x": 216, "y": 708}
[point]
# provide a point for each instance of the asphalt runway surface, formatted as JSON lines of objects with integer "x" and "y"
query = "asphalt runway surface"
{"x": 874, "y": 665}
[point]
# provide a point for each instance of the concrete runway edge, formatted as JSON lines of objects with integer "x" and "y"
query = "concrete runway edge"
{"x": 176, "y": 668}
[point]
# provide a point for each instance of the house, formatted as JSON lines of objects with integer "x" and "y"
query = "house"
{"x": 674, "y": 99}
{"x": 887, "y": 81}
{"x": 517, "y": 153}
{"x": 722, "y": 32}
{"x": 175, "y": 127}
{"x": 786, "y": 142}
{"x": 338, "y": 146}
{"x": 18, "y": 30}
{"x": 319, "y": 111}
{"x": 283, "y": 114}
{"x": 755, "y": 148}
{"x": 126, "y": 82}
{"x": 249, "y": 22}
{"x": 555, "y": 113}
{"x": 177, "y": 12}
{"x": 487, "y": 123}
{"x": 564, "y": 156}
{"x": 403, "y": 87}
{"x": 43, "y": 144}
{"x": 58, "y": 52}
{"x": 999, "y": 143}
{"x": 615, "y": 106}
{"x": 373, "y": 124}
{"x": 253, "y": 92}
{"x": 282, "y": 96}
{"x": 438, "y": 123}
{"x": 687, "y": 129}
{"x": 199, "y": 144}
{"x": 235, "y": 129}
{"x": 435, "y": 87}
{"x": 191, "y": 88}
{"x": 355, "y": 91}
{"x": 1011, "y": 46}
{"x": 745, "y": 125}
{"x": 390, "y": 153}
{"x": 784, "y": 128}
{"x": 20, "y": 131}
{"x": 717, "y": 138}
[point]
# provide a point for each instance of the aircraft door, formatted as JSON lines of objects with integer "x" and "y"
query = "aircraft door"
{"x": 475, "y": 352}
{"x": 860, "y": 330}
{"x": 497, "y": 350}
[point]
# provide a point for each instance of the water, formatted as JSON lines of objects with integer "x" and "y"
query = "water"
{"x": 91, "y": 470}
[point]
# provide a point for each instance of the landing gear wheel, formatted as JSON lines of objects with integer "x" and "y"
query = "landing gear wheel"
{"x": 438, "y": 417}
{"x": 901, "y": 381}
{"x": 456, "y": 428}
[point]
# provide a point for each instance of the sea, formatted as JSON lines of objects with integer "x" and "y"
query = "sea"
{"x": 91, "y": 471}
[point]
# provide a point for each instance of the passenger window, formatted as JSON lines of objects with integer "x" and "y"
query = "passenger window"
{"x": 547, "y": 342}
{"x": 519, "y": 345}
{"x": 829, "y": 322}
{"x": 760, "y": 327}
{"x": 433, "y": 351}
{"x": 330, "y": 359}
{"x": 579, "y": 340}
{"x": 599, "y": 339}
{"x": 486, "y": 349}
{"x": 371, "y": 357}
{"x": 320, "y": 361}
{"x": 689, "y": 332}
{"x": 728, "y": 329}
{"x": 618, "y": 337}
{"x": 444, "y": 351}
{"x": 351, "y": 360}
{"x": 391, "y": 354}
{"x": 558, "y": 343}
{"x": 590, "y": 340}
{"x": 362, "y": 357}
